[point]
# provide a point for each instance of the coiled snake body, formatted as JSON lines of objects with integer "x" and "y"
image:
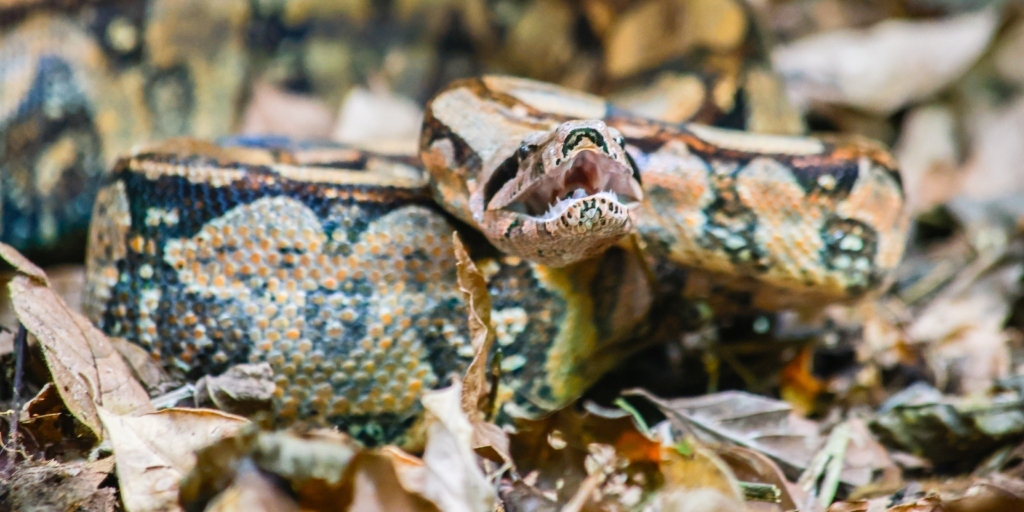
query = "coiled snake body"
{"x": 336, "y": 266}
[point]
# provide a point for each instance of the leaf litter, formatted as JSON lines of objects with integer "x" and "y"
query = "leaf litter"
{"x": 910, "y": 401}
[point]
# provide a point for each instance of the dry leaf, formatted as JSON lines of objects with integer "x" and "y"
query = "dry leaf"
{"x": 379, "y": 120}
{"x": 697, "y": 481}
{"x": 243, "y": 389}
{"x": 993, "y": 169}
{"x": 21, "y": 263}
{"x": 316, "y": 464}
{"x": 86, "y": 368}
{"x": 761, "y": 424}
{"x": 154, "y": 451}
{"x": 374, "y": 486}
{"x": 251, "y": 491}
{"x": 274, "y": 112}
{"x": 47, "y": 428}
{"x": 928, "y": 154}
{"x": 50, "y": 485}
{"x": 560, "y": 455}
{"x": 453, "y": 480}
{"x": 147, "y": 371}
{"x": 799, "y": 387}
{"x": 867, "y": 461}
{"x": 968, "y": 347}
{"x": 950, "y": 432}
{"x": 478, "y": 304}
{"x": 488, "y": 439}
{"x": 887, "y": 66}
{"x": 996, "y": 493}
{"x": 752, "y": 466}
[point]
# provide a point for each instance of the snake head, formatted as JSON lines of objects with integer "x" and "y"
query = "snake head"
{"x": 564, "y": 195}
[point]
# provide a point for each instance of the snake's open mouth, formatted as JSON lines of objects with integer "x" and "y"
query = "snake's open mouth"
{"x": 586, "y": 175}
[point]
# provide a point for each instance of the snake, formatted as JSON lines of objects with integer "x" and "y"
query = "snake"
{"x": 336, "y": 265}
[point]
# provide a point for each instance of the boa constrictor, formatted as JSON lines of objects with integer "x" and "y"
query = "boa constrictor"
{"x": 336, "y": 266}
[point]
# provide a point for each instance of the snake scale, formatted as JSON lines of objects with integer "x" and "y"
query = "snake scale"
{"x": 336, "y": 265}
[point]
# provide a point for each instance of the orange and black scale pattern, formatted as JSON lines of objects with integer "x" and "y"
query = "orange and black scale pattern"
{"x": 336, "y": 268}
{"x": 771, "y": 222}
{"x": 787, "y": 222}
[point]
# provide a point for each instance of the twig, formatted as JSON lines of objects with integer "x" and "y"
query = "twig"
{"x": 621, "y": 403}
{"x": 19, "y": 357}
{"x": 821, "y": 478}
{"x": 755, "y": 491}
{"x": 171, "y": 398}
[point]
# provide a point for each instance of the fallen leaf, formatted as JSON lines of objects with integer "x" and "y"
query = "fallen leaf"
{"x": 867, "y": 462}
{"x": 968, "y": 348}
{"x": 799, "y": 387}
{"x": 46, "y": 427}
{"x": 243, "y": 389}
{"x": 379, "y": 120}
{"x": 323, "y": 470}
{"x": 473, "y": 287}
{"x": 951, "y": 432}
{"x": 374, "y": 486}
{"x": 252, "y": 491}
{"x": 51, "y": 485}
{"x": 887, "y": 66}
{"x": 147, "y": 371}
{"x": 22, "y": 264}
{"x": 217, "y": 465}
{"x": 762, "y": 424}
{"x": 316, "y": 464}
{"x": 453, "y": 479}
{"x": 929, "y": 157}
{"x": 86, "y": 368}
{"x": 275, "y": 112}
{"x": 992, "y": 169}
{"x": 752, "y": 466}
{"x": 993, "y": 494}
{"x": 561, "y": 453}
{"x": 154, "y": 451}
{"x": 696, "y": 481}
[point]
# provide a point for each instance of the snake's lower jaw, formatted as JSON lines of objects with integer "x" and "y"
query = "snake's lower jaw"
{"x": 580, "y": 228}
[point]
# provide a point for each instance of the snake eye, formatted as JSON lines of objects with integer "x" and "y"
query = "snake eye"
{"x": 524, "y": 151}
{"x": 621, "y": 141}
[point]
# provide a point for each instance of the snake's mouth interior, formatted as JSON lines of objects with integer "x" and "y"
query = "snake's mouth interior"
{"x": 586, "y": 175}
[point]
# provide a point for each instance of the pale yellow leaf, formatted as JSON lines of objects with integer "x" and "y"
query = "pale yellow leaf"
{"x": 154, "y": 451}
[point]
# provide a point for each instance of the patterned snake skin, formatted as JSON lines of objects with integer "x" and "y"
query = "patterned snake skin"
{"x": 335, "y": 266}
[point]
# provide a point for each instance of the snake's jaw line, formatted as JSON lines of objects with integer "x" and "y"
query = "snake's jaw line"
{"x": 565, "y": 195}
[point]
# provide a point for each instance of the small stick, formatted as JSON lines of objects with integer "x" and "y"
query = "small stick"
{"x": 754, "y": 491}
{"x": 19, "y": 357}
